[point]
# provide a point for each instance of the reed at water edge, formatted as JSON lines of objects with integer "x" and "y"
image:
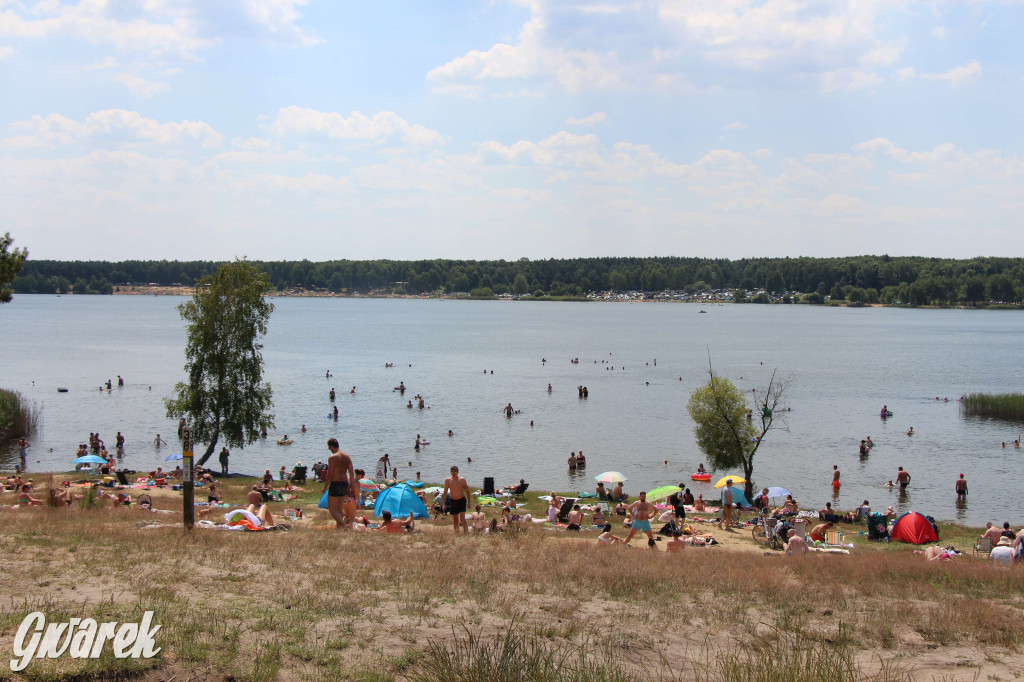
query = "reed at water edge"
{"x": 17, "y": 417}
{"x": 997, "y": 406}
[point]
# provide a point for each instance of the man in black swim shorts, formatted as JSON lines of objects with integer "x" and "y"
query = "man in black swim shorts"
{"x": 339, "y": 482}
{"x": 456, "y": 489}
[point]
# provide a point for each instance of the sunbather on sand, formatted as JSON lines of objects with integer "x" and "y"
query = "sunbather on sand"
{"x": 698, "y": 504}
{"x": 257, "y": 507}
{"x": 606, "y": 537}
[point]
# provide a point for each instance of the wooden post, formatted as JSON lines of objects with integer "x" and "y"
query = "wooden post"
{"x": 188, "y": 486}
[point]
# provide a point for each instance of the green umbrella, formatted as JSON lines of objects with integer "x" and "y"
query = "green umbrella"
{"x": 661, "y": 492}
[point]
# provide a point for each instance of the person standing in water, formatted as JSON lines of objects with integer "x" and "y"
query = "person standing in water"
{"x": 961, "y": 488}
{"x": 835, "y": 477}
{"x": 509, "y": 411}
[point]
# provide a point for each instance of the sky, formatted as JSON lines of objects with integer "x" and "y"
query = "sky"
{"x": 502, "y": 129}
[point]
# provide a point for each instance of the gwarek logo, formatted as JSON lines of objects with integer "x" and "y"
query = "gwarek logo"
{"x": 82, "y": 638}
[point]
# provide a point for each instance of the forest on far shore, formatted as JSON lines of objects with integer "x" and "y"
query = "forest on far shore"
{"x": 908, "y": 280}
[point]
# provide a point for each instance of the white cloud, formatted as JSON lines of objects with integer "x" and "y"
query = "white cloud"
{"x": 139, "y": 85}
{"x": 593, "y": 119}
{"x": 958, "y": 76}
{"x": 735, "y": 125}
{"x": 381, "y": 127}
{"x": 939, "y": 32}
{"x": 906, "y": 73}
{"x": 591, "y": 45}
{"x": 112, "y": 127}
{"x": 6, "y": 51}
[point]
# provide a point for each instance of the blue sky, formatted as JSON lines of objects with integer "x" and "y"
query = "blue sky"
{"x": 284, "y": 129}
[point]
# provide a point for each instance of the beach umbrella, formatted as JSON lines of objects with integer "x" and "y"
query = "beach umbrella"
{"x": 365, "y": 484}
{"x": 400, "y": 500}
{"x": 662, "y": 491}
{"x": 734, "y": 479}
{"x": 610, "y": 477}
{"x": 169, "y": 458}
{"x": 776, "y": 491}
{"x": 89, "y": 459}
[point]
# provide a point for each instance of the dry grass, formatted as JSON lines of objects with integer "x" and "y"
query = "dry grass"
{"x": 316, "y": 604}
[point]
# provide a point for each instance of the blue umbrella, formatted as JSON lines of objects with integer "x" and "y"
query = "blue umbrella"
{"x": 89, "y": 459}
{"x": 776, "y": 491}
{"x": 400, "y": 500}
{"x": 168, "y": 458}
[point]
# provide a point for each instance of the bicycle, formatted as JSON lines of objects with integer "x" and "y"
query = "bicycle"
{"x": 766, "y": 530}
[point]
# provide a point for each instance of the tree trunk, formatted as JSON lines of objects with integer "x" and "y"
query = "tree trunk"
{"x": 209, "y": 449}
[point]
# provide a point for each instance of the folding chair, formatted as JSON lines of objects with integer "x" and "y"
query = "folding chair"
{"x": 520, "y": 490}
{"x": 834, "y": 537}
{"x": 983, "y": 546}
{"x": 563, "y": 513}
{"x": 800, "y": 526}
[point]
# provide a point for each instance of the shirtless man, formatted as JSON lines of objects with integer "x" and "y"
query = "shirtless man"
{"x": 257, "y": 507}
{"x": 676, "y": 544}
{"x": 902, "y": 479}
{"x": 641, "y": 510}
{"x": 508, "y": 410}
{"x": 457, "y": 489}
{"x": 993, "y": 533}
{"x": 835, "y": 477}
{"x": 961, "y": 488}
{"x": 796, "y": 544}
{"x": 389, "y": 525}
{"x": 340, "y": 484}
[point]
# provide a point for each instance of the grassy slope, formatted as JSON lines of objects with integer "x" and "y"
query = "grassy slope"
{"x": 316, "y": 604}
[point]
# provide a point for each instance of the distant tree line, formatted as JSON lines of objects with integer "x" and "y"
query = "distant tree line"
{"x": 855, "y": 279}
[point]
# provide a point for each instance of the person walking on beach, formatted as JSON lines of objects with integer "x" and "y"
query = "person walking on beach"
{"x": 726, "y": 506}
{"x": 456, "y": 490}
{"x": 641, "y": 511}
{"x": 676, "y": 500}
{"x": 224, "y": 455}
{"x": 339, "y": 484}
{"x": 961, "y": 488}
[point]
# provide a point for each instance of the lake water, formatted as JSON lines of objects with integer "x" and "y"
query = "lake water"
{"x": 845, "y": 364}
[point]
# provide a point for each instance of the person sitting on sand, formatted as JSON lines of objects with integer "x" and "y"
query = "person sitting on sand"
{"x": 598, "y": 517}
{"x": 618, "y": 493}
{"x": 553, "y": 510}
{"x": 254, "y": 498}
{"x": 698, "y": 504}
{"x": 606, "y": 537}
{"x": 621, "y": 508}
{"x": 687, "y": 498}
{"x": 26, "y": 500}
{"x": 602, "y": 492}
{"x": 478, "y": 520}
{"x": 795, "y": 544}
{"x": 676, "y": 544}
{"x": 388, "y": 525}
{"x": 575, "y": 518}
{"x": 818, "y": 532}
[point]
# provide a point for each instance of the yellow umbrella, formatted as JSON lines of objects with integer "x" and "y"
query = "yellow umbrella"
{"x": 734, "y": 479}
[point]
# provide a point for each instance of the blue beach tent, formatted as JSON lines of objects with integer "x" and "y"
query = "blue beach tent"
{"x": 400, "y": 500}
{"x": 737, "y": 497}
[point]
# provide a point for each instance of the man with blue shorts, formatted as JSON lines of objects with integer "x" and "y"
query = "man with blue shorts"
{"x": 641, "y": 511}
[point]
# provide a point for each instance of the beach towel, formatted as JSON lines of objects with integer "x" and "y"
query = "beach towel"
{"x": 245, "y": 518}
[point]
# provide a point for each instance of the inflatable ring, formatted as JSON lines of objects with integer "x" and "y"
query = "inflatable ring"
{"x": 700, "y": 477}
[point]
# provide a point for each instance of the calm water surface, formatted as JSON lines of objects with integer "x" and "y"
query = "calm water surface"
{"x": 469, "y": 358}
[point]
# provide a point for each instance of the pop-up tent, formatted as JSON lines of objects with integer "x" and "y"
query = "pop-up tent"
{"x": 737, "y": 497}
{"x": 915, "y": 528}
{"x": 400, "y": 500}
